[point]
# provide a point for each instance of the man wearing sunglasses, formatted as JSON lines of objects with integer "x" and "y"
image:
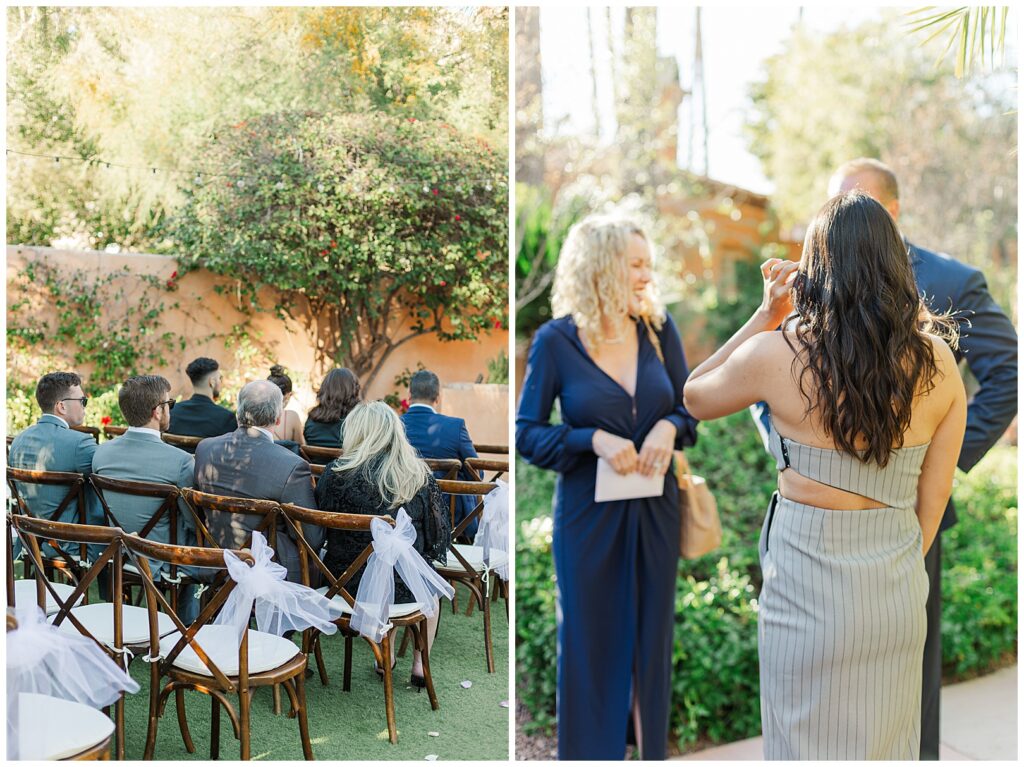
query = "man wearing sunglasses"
{"x": 140, "y": 455}
{"x": 50, "y": 444}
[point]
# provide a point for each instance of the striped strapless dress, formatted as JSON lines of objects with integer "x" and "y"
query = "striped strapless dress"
{"x": 841, "y": 625}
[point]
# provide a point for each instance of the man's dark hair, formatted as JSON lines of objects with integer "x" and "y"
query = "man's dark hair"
{"x": 139, "y": 395}
{"x": 424, "y": 385}
{"x": 201, "y": 367}
{"x": 53, "y": 387}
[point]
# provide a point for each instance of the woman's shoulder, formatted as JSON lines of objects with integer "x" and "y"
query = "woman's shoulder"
{"x": 556, "y": 331}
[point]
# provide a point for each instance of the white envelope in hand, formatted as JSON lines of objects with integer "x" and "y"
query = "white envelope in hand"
{"x": 612, "y": 486}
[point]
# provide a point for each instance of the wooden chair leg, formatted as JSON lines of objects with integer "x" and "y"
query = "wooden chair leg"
{"x": 320, "y": 665}
{"x": 389, "y": 689}
{"x": 300, "y": 691}
{"x": 346, "y": 683}
{"x": 119, "y": 727}
{"x": 277, "y": 699}
{"x": 244, "y": 705}
{"x": 214, "y": 728}
{"x": 186, "y": 736}
{"x": 154, "y": 717}
{"x": 487, "y": 630}
{"x": 405, "y": 642}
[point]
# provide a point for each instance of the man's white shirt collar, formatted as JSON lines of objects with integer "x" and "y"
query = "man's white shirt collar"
{"x": 144, "y": 430}
{"x": 420, "y": 404}
{"x": 268, "y": 432}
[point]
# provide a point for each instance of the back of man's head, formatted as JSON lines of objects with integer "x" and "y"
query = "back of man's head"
{"x": 260, "y": 403}
{"x": 53, "y": 387}
{"x": 424, "y": 386}
{"x": 139, "y": 395}
{"x": 199, "y": 369}
{"x": 883, "y": 185}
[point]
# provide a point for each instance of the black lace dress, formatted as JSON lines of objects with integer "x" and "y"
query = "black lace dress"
{"x": 354, "y": 492}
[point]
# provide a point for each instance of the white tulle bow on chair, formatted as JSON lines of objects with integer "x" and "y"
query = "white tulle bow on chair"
{"x": 393, "y": 551}
{"x": 281, "y": 606}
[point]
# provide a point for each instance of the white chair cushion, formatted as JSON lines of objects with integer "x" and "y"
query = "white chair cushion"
{"x": 266, "y": 651}
{"x": 475, "y": 556}
{"x": 53, "y": 728}
{"x": 98, "y": 619}
{"x": 397, "y": 610}
{"x": 25, "y": 593}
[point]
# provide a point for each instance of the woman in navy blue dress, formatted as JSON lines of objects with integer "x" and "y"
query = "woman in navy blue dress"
{"x": 615, "y": 561}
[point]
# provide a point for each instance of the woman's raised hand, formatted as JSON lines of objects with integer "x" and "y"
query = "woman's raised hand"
{"x": 618, "y": 451}
{"x": 777, "y": 302}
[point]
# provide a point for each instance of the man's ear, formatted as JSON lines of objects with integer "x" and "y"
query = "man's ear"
{"x": 893, "y": 206}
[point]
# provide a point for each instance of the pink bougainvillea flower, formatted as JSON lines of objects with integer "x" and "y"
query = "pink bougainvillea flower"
{"x": 458, "y": 217}
{"x": 497, "y": 324}
{"x": 323, "y": 252}
{"x": 174, "y": 274}
{"x": 334, "y": 244}
{"x": 106, "y": 420}
{"x": 442, "y": 283}
{"x": 436, "y": 192}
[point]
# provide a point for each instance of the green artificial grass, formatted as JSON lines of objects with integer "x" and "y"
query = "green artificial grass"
{"x": 472, "y": 724}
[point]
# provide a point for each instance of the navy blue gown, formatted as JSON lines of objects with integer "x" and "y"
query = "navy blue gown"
{"x": 615, "y": 561}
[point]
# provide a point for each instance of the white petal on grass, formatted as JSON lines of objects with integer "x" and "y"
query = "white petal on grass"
{"x": 467, "y": 684}
{"x": 431, "y": 757}
{"x": 504, "y": 704}
{"x": 434, "y": 734}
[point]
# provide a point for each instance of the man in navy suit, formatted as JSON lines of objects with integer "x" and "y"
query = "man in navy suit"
{"x": 438, "y": 436}
{"x": 200, "y": 415}
{"x": 988, "y": 342}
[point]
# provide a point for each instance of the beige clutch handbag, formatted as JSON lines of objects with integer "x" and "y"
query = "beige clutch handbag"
{"x": 700, "y": 529}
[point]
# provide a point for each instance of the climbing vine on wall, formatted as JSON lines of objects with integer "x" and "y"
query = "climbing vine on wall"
{"x": 74, "y": 318}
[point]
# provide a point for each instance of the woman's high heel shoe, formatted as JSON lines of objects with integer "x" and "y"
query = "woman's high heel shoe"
{"x": 417, "y": 681}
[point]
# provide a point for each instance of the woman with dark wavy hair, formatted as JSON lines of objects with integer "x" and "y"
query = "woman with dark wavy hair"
{"x": 338, "y": 395}
{"x": 868, "y": 412}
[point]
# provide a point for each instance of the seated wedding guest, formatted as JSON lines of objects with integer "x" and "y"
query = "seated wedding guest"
{"x": 140, "y": 455}
{"x": 378, "y": 474}
{"x": 338, "y": 394}
{"x": 289, "y": 432}
{"x": 438, "y": 436}
{"x": 51, "y": 445}
{"x": 247, "y": 464}
{"x": 200, "y": 415}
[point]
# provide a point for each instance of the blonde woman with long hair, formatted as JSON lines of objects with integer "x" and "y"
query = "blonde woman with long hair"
{"x": 378, "y": 473}
{"x": 614, "y": 361}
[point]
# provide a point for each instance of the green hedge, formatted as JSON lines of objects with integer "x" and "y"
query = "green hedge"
{"x": 715, "y": 682}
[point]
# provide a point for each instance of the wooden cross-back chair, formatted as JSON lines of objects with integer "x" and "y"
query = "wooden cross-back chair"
{"x": 71, "y": 566}
{"x": 103, "y": 622}
{"x": 84, "y": 734}
{"x": 181, "y": 440}
{"x": 168, "y": 509}
{"x": 402, "y": 615}
{"x": 202, "y": 504}
{"x": 110, "y": 431}
{"x": 478, "y": 468}
{"x": 208, "y": 658}
{"x": 321, "y": 455}
{"x": 450, "y": 466}
{"x": 491, "y": 449}
{"x": 92, "y": 431}
{"x": 466, "y": 563}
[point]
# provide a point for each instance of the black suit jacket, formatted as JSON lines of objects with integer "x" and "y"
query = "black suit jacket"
{"x": 988, "y": 343}
{"x": 200, "y": 416}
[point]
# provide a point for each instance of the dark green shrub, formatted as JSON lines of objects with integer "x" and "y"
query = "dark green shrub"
{"x": 715, "y": 682}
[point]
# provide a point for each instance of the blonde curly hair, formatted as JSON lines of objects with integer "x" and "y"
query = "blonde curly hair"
{"x": 591, "y": 276}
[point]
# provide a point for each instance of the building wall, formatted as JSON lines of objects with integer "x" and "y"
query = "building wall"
{"x": 205, "y": 317}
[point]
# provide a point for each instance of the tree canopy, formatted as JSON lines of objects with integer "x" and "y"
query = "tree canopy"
{"x": 150, "y": 87}
{"x": 873, "y": 90}
{"x": 372, "y": 229}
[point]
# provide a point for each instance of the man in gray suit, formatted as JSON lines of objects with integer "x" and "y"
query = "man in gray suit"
{"x": 141, "y": 455}
{"x": 247, "y": 464}
{"x": 51, "y": 445}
